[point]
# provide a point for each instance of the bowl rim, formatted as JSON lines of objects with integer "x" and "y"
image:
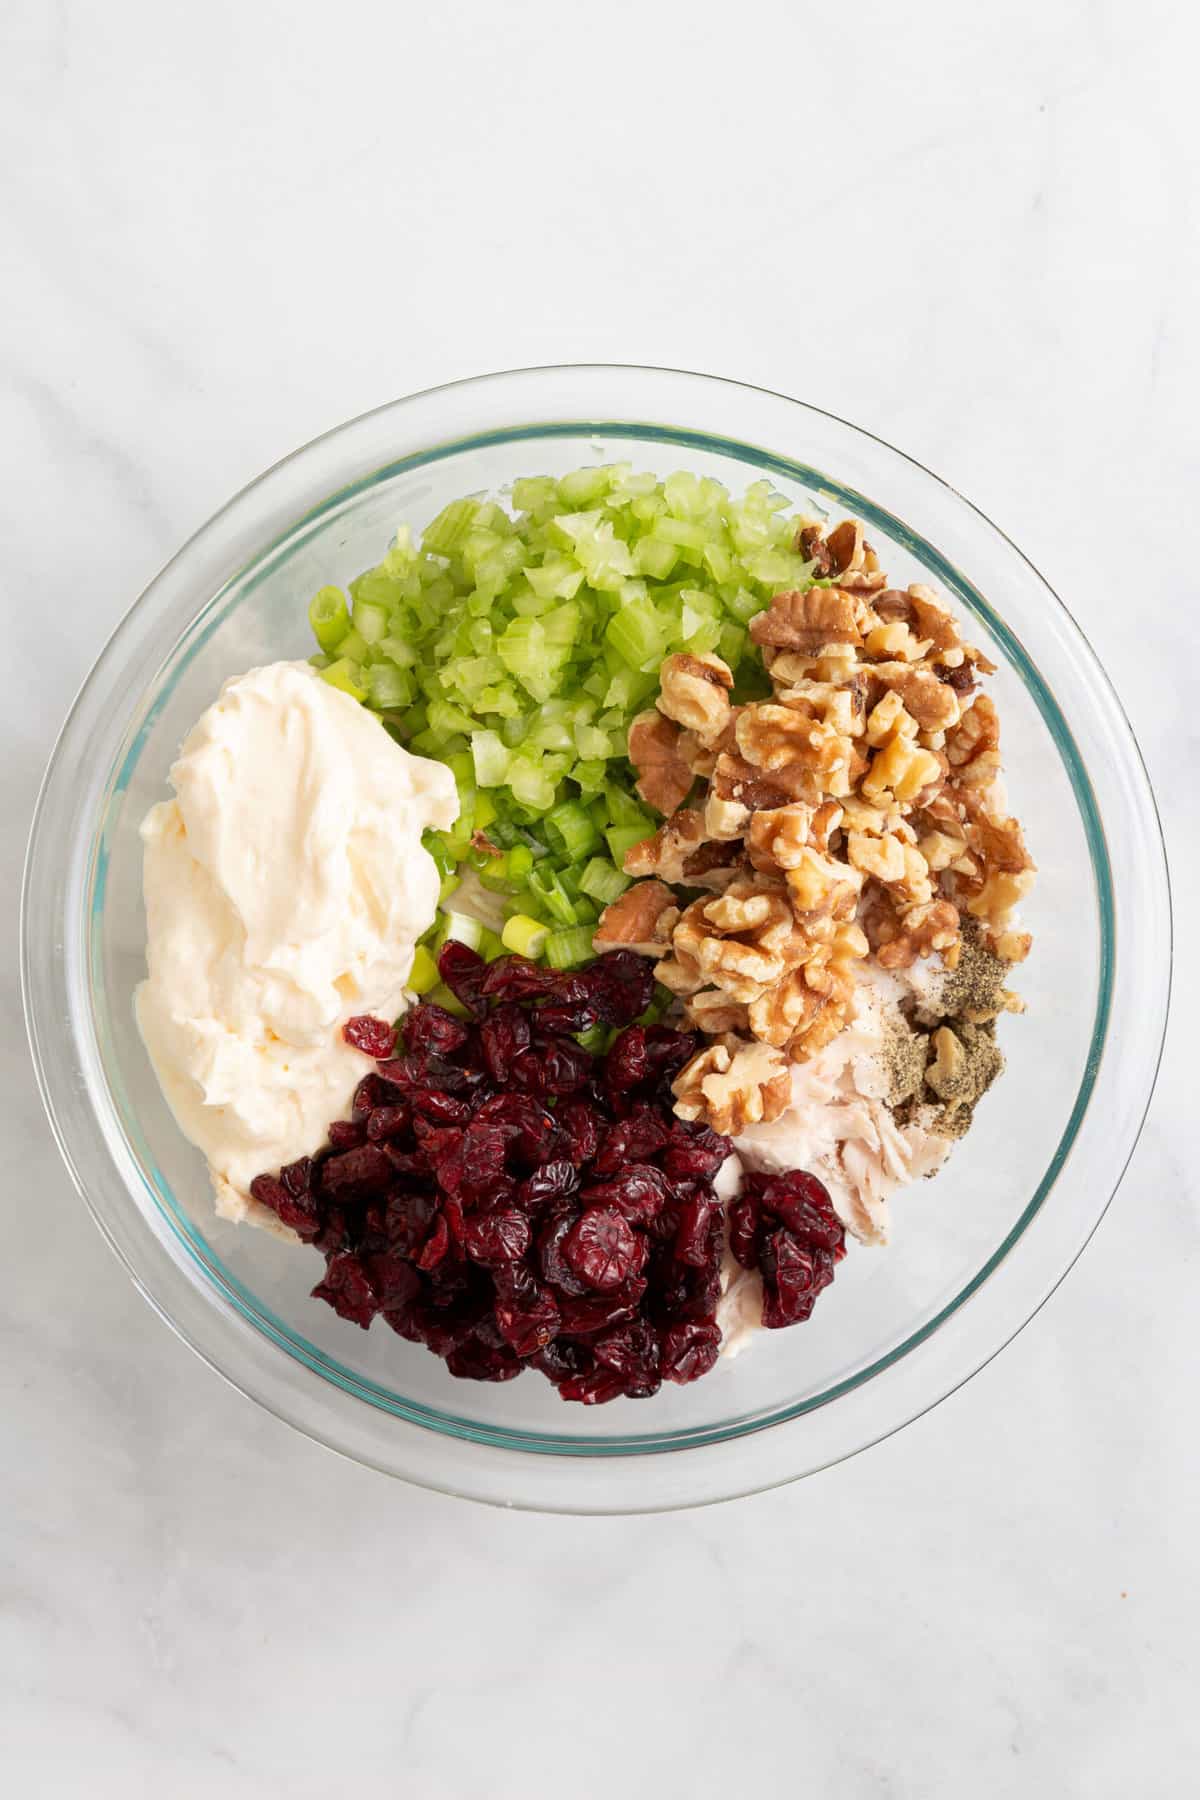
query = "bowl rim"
{"x": 625, "y": 1445}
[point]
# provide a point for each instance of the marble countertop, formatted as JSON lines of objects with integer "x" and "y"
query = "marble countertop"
{"x": 229, "y": 227}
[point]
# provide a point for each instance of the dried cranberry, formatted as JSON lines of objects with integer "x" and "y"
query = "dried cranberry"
{"x": 622, "y": 986}
{"x": 638, "y": 1193}
{"x": 592, "y": 1389}
{"x": 372, "y": 1036}
{"x": 348, "y": 1289}
{"x": 429, "y": 1030}
{"x": 626, "y": 1066}
{"x": 436, "y": 1245}
{"x": 370, "y": 1093}
{"x": 550, "y": 1181}
{"x": 496, "y": 1237}
{"x": 299, "y": 1210}
{"x": 629, "y": 1350}
{"x": 695, "y": 1152}
{"x": 387, "y": 1122}
{"x": 587, "y": 1313}
{"x": 689, "y": 1351}
{"x": 477, "y": 1361}
{"x": 551, "y": 1068}
{"x": 793, "y": 1276}
{"x": 362, "y": 1170}
{"x": 692, "y": 1235}
{"x": 632, "y": 1140}
{"x": 516, "y": 978}
{"x": 742, "y": 1216}
{"x": 529, "y": 1323}
{"x": 407, "y": 1221}
{"x": 344, "y": 1134}
{"x": 441, "y": 1109}
{"x": 551, "y": 1258}
{"x": 299, "y": 1177}
{"x": 531, "y": 1128}
{"x": 603, "y": 1249}
{"x": 580, "y": 1126}
{"x": 503, "y": 1036}
{"x": 463, "y": 971}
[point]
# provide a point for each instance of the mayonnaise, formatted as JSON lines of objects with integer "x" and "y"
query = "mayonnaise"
{"x": 286, "y": 886}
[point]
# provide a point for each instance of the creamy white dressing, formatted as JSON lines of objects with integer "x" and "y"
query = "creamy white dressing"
{"x": 286, "y": 887}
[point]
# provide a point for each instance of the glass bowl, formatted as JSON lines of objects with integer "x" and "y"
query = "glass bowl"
{"x": 973, "y": 1254}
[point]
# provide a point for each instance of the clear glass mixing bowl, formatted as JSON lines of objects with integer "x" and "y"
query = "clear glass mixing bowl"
{"x": 973, "y": 1254}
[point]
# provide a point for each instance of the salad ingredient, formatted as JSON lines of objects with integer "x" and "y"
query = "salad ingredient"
{"x": 286, "y": 887}
{"x": 525, "y": 650}
{"x": 512, "y": 1200}
{"x": 855, "y": 813}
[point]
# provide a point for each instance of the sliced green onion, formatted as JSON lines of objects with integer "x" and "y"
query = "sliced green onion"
{"x": 525, "y": 936}
{"x": 464, "y": 929}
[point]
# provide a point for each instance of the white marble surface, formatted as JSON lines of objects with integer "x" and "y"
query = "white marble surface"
{"x": 228, "y": 226}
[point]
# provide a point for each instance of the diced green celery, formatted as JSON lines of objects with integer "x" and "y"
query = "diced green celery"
{"x": 520, "y": 862}
{"x": 445, "y": 720}
{"x": 370, "y": 620}
{"x": 444, "y": 536}
{"x": 621, "y": 838}
{"x": 491, "y": 945}
{"x": 603, "y": 881}
{"x": 718, "y": 559}
{"x": 557, "y": 579}
{"x": 347, "y": 676}
{"x": 353, "y": 646}
{"x": 530, "y": 783}
{"x": 588, "y": 776}
{"x": 329, "y": 617}
{"x": 535, "y": 493}
{"x": 397, "y": 650}
{"x": 485, "y": 811}
{"x": 595, "y": 1039}
{"x": 552, "y": 896}
{"x": 388, "y": 688}
{"x": 685, "y": 534}
{"x": 423, "y": 976}
{"x": 490, "y": 759}
{"x": 636, "y": 634}
{"x": 526, "y": 654}
{"x": 570, "y": 829}
{"x": 743, "y": 605}
{"x": 583, "y": 486}
{"x": 566, "y": 949}
{"x": 654, "y": 557}
{"x": 450, "y": 884}
{"x": 731, "y": 645}
{"x": 624, "y": 809}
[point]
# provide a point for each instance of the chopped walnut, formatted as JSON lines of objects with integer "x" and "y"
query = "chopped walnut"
{"x": 732, "y": 1084}
{"x": 778, "y": 835}
{"x": 713, "y": 1012}
{"x": 847, "y": 547}
{"x": 807, "y": 619}
{"x": 666, "y": 853}
{"x": 850, "y": 811}
{"x": 973, "y": 747}
{"x": 642, "y": 920}
{"x": 695, "y": 694}
{"x": 663, "y": 778}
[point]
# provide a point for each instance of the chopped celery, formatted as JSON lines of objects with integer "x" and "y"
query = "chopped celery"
{"x": 329, "y": 618}
{"x": 603, "y": 880}
{"x": 424, "y": 973}
{"x": 346, "y": 675}
{"x": 622, "y": 838}
{"x": 570, "y": 829}
{"x": 564, "y": 949}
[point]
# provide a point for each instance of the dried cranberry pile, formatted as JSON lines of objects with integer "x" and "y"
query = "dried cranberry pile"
{"x": 510, "y": 1200}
